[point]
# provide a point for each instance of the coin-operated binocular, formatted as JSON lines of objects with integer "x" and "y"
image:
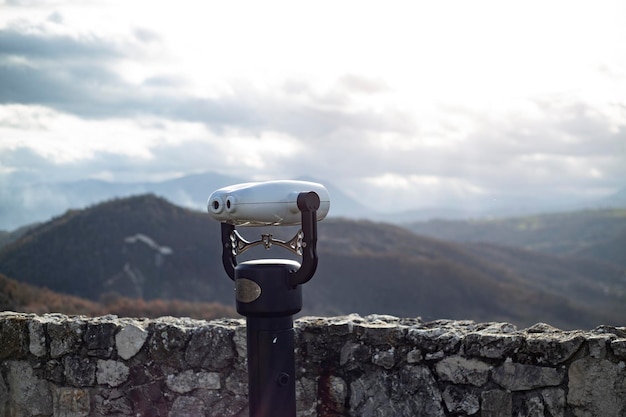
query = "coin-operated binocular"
{"x": 268, "y": 291}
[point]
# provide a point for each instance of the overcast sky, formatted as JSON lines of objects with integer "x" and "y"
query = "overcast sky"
{"x": 405, "y": 104}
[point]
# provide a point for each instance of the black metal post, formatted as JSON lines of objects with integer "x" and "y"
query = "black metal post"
{"x": 268, "y": 294}
{"x": 268, "y": 302}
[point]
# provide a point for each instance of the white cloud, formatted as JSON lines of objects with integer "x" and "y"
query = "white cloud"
{"x": 428, "y": 101}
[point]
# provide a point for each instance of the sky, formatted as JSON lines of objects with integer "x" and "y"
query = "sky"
{"x": 400, "y": 104}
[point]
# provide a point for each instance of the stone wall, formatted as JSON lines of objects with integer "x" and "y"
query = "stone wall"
{"x": 55, "y": 365}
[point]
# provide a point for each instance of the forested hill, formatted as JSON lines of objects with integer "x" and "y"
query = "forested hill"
{"x": 146, "y": 247}
{"x": 91, "y": 252}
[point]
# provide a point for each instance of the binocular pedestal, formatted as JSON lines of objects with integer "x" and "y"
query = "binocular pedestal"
{"x": 268, "y": 291}
{"x": 268, "y": 300}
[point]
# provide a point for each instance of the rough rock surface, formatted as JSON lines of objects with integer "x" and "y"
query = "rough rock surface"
{"x": 55, "y": 365}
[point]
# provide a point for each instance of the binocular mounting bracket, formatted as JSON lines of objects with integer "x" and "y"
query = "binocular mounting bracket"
{"x": 239, "y": 244}
{"x": 302, "y": 244}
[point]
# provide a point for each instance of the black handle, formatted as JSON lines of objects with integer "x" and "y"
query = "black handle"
{"x": 308, "y": 204}
{"x": 228, "y": 257}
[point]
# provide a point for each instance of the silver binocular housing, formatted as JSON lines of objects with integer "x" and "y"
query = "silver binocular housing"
{"x": 270, "y": 203}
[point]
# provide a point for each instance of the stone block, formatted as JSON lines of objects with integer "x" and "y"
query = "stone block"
{"x": 211, "y": 347}
{"x": 435, "y": 339}
{"x": 79, "y": 371}
{"x": 99, "y": 339}
{"x": 342, "y": 325}
{"x": 65, "y": 337}
{"x": 379, "y": 332}
{"x": 460, "y": 370}
{"x": 552, "y": 348}
{"x": 111, "y": 373}
{"x": 14, "y": 336}
{"x": 166, "y": 344}
{"x": 130, "y": 340}
{"x": 518, "y": 377}
{"x": 37, "y": 338}
{"x": 598, "y": 345}
{"x": 494, "y": 346}
{"x": 28, "y": 395}
{"x": 597, "y": 388}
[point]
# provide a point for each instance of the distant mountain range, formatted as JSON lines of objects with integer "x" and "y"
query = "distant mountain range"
{"x": 594, "y": 234}
{"x": 146, "y": 247}
{"x": 23, "y": 201}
